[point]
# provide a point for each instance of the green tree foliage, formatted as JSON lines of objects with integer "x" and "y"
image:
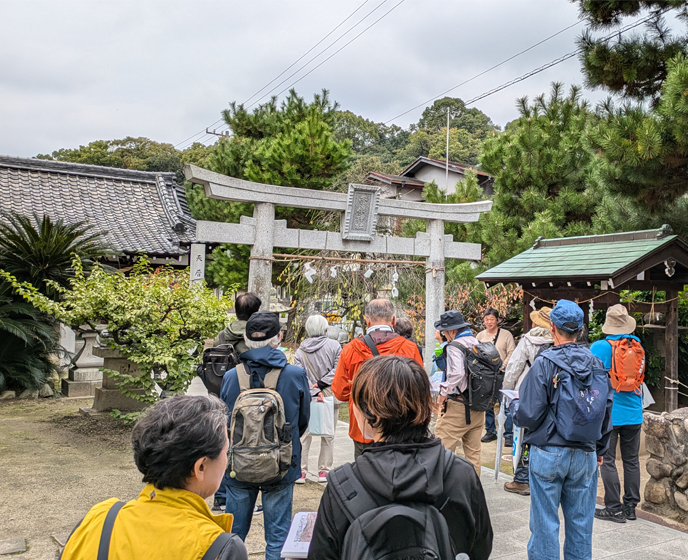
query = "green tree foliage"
{"x": 634, "y": 66}
{"x": 154, "y": 318}
{"x": 293, "y": 145}
{"x": 140, "y": 153}
{"x": 543, "y": 175}
{"x": 643, "y": 155}
{"x": 370, "y": 139}
{"x": 39, "y": 250}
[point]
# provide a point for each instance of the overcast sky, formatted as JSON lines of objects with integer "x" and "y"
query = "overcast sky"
{"x": 74, "y": 71}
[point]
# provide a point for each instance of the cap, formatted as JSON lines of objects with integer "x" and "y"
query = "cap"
{"x": 451, "y": 320}
{"x": 567, "y": 316}
{"x": 262, "y": 325}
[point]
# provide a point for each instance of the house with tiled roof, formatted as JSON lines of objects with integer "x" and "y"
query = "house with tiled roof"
{"x": 139, "y": 211}
{"x": 408, "y": 185}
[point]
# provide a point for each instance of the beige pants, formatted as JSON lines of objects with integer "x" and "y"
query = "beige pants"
{"x": 326, "y": 457}
{"x": 452, "y": 428}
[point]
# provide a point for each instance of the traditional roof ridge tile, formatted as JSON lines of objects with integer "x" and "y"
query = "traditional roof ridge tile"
{"x": 87, "y": 169}
{"x": 397, "y": 178}
{"x": 139, "y": 211}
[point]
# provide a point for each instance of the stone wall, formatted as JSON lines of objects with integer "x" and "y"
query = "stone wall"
{"x": 666, "y": 440}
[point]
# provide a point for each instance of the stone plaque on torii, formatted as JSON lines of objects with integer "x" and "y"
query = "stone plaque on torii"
{"x": 360, "y": 208}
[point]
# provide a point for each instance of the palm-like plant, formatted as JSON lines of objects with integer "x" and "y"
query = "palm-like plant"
{"x": 40, "y": 249}
{"x": 27, "y": 339}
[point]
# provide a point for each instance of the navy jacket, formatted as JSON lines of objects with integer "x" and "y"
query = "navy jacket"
{"x": 292, "y": 386}
{"x": 537, "y": 395}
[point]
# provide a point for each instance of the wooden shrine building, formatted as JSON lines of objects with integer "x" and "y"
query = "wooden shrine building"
{"x": 593, "y": 270}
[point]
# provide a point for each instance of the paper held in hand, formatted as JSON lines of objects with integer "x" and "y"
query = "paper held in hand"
{"x": 509, "y": 393}
{"x": 300, "y": 534}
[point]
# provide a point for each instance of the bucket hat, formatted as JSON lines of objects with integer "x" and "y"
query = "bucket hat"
{"x": 567, "y": 316}
{"x": 618, "y": 321}
{"x": 540, "y": 317}
{"x": 450, "y": 320}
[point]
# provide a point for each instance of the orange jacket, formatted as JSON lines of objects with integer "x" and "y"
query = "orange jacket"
{"x": 354, "y": 354}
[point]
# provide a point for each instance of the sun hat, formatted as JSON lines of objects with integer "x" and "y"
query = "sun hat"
{"x": 567, "y": 316}
{"x": 262, "y": 326}
{"x": 540, "y": 317}
{"x": 451, "y": 320}
{"x": 618, "y": 321}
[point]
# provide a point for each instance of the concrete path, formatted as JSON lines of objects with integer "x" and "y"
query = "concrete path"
{"x": 510, "y": 513}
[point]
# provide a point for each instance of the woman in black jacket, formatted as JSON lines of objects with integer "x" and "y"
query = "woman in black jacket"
{"x": 391, "y": 397}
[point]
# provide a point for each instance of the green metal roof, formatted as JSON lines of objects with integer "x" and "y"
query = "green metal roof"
{"x": 590, "y": 257}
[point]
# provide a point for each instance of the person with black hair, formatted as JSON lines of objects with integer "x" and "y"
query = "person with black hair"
{"x": 245, "y": 305}
{"x": 180, "y": 447}
{"x": 405, "y": 465}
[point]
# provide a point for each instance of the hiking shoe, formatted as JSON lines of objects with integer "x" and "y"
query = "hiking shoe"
{"x": 488, "y": 437}
{"x": 219, "y": 504}
{"x": 257, "y": 509}
{"x": 609, "y": 515}
{"x": 517, "y": 488}
{"x": 322, "y": 476}
{"x": 508, "y": 442}
{"x": 629, "y": 511}
{"x": 301, "y": 480}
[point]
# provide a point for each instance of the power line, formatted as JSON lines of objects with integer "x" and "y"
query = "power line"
{"x": 343, "y": 47}
{"x": 326, "y": 49}
{"x": 311, "y": 49}
{"x": 532, "y": 72}
{"x": 201, "y": 133}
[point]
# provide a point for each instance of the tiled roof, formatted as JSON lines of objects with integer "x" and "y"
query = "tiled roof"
{"x": 140, "y": 210}
{"x": 594, "y": 257}
{"x": 453, "y": 166}
{"x": 390, "y": 179}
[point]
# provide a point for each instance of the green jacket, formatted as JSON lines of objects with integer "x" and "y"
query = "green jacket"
{"x": 234, "y": 335}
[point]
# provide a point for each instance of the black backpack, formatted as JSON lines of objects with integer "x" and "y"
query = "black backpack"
{"x": 483, "y": 369}
{"x": 391, "y": 531}
{"x": 217, "y": 361}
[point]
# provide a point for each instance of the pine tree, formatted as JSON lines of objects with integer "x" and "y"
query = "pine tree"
{"x": 543, "y": 175}
{"x": 634, "y": 66}
{"x": 292, "y": 145}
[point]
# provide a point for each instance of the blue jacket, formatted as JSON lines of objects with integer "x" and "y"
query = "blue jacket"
{"x": 628, "y": 406}
{"x": 292, "y": 386}
{"x": 538, "y": 395}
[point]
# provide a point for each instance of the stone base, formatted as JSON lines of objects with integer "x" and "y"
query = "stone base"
{"x": 72, "y": 388}
{"x": 86, "y": 374}
{"x": 108, "y": 399}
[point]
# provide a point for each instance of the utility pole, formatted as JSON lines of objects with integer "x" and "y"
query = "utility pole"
{"x": 446, "y": 165}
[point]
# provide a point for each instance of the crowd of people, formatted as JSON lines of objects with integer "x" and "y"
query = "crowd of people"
{"x": 407, "y": 489}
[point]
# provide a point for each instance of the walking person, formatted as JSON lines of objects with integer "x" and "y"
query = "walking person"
{"x": 565, "y": 403}
{"x": 528, "y": 348}
{"x": 405, "y": 474}
{"x": 458, "y": 422}
{"x": 380, "y": 339}
{"x": 622, "y": 356}
{"x": 318, "y": 356}
{"x": 504, "y": 342}
{"x": 265, "y": 367}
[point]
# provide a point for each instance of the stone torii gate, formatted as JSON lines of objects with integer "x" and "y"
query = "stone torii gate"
{"x": 360, "y": 209}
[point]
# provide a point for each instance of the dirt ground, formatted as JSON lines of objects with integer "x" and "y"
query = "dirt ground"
{"x": 56, "y": 463}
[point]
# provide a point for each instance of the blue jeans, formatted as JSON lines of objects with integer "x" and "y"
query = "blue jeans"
{"x": 566, "y": 476}
{"x": 491, "y": 426}
{"x": 277, "y": 505}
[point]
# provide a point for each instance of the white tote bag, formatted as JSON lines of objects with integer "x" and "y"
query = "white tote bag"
{"x": 322, "y": 417}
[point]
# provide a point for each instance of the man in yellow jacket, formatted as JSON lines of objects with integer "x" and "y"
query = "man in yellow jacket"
{"x": 180, "y": 446}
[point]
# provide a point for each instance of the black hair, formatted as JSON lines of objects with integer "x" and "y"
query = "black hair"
{"x": 175, "y": 434}
{"x": 491, "y": 311}
{"x": 404, "y": 327}
{"x": 246, "y": 305}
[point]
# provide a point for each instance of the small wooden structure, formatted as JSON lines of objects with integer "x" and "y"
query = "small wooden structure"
{"x": 593, "y": 270}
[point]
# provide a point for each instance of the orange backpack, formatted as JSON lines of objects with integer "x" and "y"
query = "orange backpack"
{"x": 628, "y": 365}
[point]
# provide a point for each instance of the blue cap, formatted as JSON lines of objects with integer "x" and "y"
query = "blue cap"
{"x": 567, "y": 316}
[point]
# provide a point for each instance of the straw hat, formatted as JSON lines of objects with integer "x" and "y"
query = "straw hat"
{"x": 540, "y": 317}
{"x": 618, "y": 321}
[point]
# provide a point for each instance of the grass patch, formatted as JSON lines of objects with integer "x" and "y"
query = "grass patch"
{"x": 344, "y": 412}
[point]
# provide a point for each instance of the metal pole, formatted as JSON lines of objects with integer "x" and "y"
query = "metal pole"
{"x": 446, "y": 165}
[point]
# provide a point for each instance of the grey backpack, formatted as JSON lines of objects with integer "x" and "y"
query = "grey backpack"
{"x": 260, "y": 445}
